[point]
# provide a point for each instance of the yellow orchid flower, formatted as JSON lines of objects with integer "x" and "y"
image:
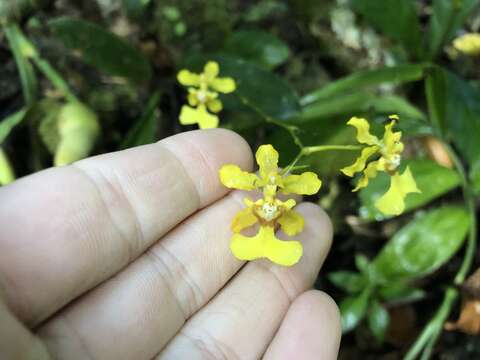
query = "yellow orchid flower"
{"x": 390, "y": 149}
{"x": 268, "y": 211}
{"x": 207, "y": 79}
{"x": 269, "y": 178}
{"x": 469, "y": 44}
{"x": 203, "y": 95}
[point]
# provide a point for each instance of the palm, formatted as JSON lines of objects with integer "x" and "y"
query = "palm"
{"x": 126, "y": 256}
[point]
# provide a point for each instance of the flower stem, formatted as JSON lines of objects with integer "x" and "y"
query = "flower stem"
{"x": 470, "y": 204}
{"x": 307, "y": 150}
{"x": 55, "y": 78}
{"x": 432, "y": 330}
{"x": 292, "y": 129}
{"x": 29, "y": 51}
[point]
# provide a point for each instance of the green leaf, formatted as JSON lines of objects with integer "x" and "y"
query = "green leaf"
{"x": 144, "y": 131}
{"x": 25, "y": 68}
{"x": 400, "y": 292}
{"x": 135, "y": 8}
{"x": 259, "y": 47}
{"x": 454, "y": 105}
{"x": 353, "y": 309}
{"x": 368, "y": 78}
{"x": 7, "y": 124}
{"x": 475, "y": 177}
{"x": 366, "y": 102}
{"x": 447, "y": 17}
{"x": 378, "y": 320}
{"x": 396, "y": 19}
{"x": 432, "y": 179}
{"x": 435, "y": 91}
{"x": 17, "y": 9}
{"x": 258, "y": 87}
{"x": 423, "y": 245}
{"x": 348, "y": 281}
{"x": 393, "y": 104}
{"x": 362, "y": 263}
{"x": 101, "y": 48}
{"x": 347, "y": 104}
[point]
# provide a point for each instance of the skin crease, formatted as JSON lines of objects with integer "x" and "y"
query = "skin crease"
{"x": 126, "y": 256}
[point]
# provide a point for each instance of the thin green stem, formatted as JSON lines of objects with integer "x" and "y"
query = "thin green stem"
{"x": 29, "y": 50}
{"x": 470, "y": 203}
{"x": 293, "y": 163}
{"x": 292, "y": 129}
{"x": 25, "y": 69}
{"x": 54, "y": 77}
{"x": 431, "y": 331}
{"x": 313, "y": 149}
{"x": 308, "y": 150}
{"x": 29, "y": 82}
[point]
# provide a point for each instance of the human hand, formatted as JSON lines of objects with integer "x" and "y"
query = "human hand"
{"x": 126, "y": 256}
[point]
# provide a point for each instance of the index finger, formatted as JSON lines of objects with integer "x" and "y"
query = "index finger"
{"x": 65, "y": 230}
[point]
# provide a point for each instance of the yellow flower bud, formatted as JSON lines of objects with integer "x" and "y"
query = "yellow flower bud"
{"x": 78, "y": 129}
{"x": 469, "y": 44}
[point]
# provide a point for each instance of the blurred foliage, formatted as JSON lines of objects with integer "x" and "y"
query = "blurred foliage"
{"x": 81, "y": 78}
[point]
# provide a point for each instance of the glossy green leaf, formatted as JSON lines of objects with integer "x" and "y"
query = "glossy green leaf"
{"x": 454, "y": 105}
{"x": 447, "y": 17}
{"x": 144, "y": 131}
{"x": 363, "y": 102}
{"x": 378, "y": 320}
{"x": 368, "y": 78}
{"x": 99, "y": 47}
{"x": 7, "y": 124}
{"x": 396, "y": 19}
{"x": 353, "y": 310}
{"x": 347, "y": 104}
{"x": 256, "y": 87}
{"x": 423, "y": 245}
{"x": 348, "y": 281}
{"x": 432, "y": 179}
{"x": 259, "y": 47}
{"x": 393, "y": 104}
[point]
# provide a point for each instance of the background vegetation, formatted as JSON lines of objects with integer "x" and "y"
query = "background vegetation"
{"x": 303, "y": 68}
